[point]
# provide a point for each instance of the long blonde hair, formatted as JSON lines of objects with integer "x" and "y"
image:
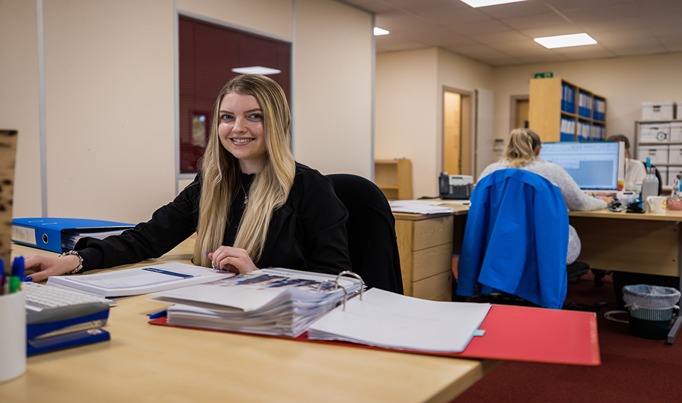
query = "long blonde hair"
{"x": 521, "y": 147}
{"x": 221, "y": 178}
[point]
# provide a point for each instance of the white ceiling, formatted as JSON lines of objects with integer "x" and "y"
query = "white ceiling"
{"x": 503, "y": 35}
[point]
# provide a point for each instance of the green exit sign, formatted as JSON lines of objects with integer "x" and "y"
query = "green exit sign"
{"x": 546, "y": 74}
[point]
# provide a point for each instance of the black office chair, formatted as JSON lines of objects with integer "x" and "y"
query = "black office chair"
{"x": 372, "y": 239}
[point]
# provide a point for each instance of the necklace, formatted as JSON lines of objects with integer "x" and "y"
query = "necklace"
{"x": 246, "y": 195}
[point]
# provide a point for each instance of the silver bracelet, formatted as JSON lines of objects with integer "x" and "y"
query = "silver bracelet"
{"x": 80, "y": 258}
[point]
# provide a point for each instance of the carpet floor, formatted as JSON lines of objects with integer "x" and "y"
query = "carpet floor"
{"x": 633, "y": 369}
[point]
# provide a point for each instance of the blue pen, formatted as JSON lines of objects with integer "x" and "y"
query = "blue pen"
{"x": 2, "y": 276}
{"x": 157, "y": 315}
{"x": 17, "y": 274}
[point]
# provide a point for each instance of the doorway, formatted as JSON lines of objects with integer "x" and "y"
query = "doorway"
{"x": 457, "y": 132}
{"x": 519, "y": 112}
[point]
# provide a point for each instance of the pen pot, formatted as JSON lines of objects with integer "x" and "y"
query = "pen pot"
{"x": 12, "y": 335}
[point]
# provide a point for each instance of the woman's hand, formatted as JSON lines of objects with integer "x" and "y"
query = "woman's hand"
{"x": 40, "y": 267}
{"x": 606, "y": 199}
{"x": 231, "y": 259}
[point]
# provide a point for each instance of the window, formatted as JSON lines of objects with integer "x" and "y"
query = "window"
{"x": 208, "y": 53}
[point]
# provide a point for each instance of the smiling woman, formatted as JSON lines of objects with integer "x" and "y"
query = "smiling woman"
{"x": 293, "y": 218}
{"x": 209, "y": 55}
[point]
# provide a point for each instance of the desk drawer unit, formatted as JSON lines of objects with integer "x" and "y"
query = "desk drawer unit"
{"x": 425, "y": 245}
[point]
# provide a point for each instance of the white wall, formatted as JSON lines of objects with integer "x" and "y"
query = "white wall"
{"x": 19, "y": 101}
{"x": 333, "y": 86}
{"x": 109, "y": 84}
{"x": 111, "y": 95}
{"x": 407, "y": 98}
{"x": 409, "y": 107}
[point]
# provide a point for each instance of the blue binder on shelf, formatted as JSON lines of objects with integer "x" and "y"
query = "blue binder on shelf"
{"x": 61, "y": 234}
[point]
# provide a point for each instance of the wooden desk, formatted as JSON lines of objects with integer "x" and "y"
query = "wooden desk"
{"x": 638, "y": 243}
{"x": 425, "y": 245}
{"x": 143, "y": 362}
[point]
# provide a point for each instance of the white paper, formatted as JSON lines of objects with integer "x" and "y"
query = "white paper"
{"x": 269, "y": 301}
{"x": 142, "y": 280}
{"x": 419, "y": 207}
{"x": 390, "y": 320}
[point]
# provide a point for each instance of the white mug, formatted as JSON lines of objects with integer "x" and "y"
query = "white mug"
{"x": 12, "y": 336}
{"x": 656, "y": 204}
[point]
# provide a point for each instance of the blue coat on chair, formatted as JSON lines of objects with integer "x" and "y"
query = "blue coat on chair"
{"x": 516, "y": 239}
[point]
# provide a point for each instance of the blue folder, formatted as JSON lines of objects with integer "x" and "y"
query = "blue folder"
{"x": 59, "y": 234}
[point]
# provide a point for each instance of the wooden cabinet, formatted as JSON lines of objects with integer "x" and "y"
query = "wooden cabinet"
{"x": 561, "y": 111}
{"x": 425, "y": 244}
{"x": 394, "y": 178}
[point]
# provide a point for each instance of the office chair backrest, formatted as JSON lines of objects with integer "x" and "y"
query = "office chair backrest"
{"x": 371, "y": 232}
{"x": 515, "y": 239}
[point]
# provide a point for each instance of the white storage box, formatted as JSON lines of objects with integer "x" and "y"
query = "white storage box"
{"x": 654, "y": 133}
{"x": 657, "y": 110}
{"x": 676, "y": 131}
{"x": 675, "y": 156}
{"x": 657, "y": 154}
{"x": 663, "y": 171}
{"x": 672, "y": 174}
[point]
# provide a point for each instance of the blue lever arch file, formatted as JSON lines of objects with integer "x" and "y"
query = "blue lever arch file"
{"x": 61, "y": 234}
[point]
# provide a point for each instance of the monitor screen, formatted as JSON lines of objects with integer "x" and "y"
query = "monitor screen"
{"x": 594, "y": 166}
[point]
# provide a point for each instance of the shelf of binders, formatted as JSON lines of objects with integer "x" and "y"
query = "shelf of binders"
{"x": 561, "y": 111}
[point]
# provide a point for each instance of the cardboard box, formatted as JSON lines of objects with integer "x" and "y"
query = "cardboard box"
{"x": 657, "y": 110}
{"x": 654, "y": 133}
{"x": 657, "y": 154}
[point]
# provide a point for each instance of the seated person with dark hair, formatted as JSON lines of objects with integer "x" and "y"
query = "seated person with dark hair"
{"x": 634, "y": 169}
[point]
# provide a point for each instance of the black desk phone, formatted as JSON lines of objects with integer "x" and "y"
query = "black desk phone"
{"x": 455, "y": 186}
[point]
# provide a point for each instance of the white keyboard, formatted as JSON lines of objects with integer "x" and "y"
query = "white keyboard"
{"x": 40, "y": 296}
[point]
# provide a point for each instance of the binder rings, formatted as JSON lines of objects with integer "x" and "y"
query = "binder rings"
{"x": 61, "y": 234}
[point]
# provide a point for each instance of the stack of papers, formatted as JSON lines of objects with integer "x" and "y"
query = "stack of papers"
{"x": 143, "y": 280}
{"x": 276, "y": 301}
{"x": 419, "y": 207}
{"x": 388, "y": 320}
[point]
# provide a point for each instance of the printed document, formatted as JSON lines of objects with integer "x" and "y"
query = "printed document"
{"x": 269, "y": 301}
{"x": 389, "y": 320}
{"x": 143, "y": 280}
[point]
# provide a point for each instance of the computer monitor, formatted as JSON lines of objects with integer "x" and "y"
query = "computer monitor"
{"x": 595, "y": 166}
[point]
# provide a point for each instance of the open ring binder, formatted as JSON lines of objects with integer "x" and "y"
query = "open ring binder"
{"x": 337, "y": 285}
{"x": 345, "y": 293}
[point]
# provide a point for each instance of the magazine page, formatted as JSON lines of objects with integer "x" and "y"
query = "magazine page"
{"x": 254, "y": 290}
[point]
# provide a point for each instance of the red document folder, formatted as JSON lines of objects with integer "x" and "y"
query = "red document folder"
{"x": 518, "y": 333}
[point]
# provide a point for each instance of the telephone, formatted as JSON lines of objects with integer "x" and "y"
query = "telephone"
{"x": 455, "y": 186}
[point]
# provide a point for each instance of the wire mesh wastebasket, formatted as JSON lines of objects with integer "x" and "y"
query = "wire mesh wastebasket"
{"x": 651, "y": 309}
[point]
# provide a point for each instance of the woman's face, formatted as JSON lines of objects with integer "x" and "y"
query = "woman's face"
{"x": 240, "y": 130}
